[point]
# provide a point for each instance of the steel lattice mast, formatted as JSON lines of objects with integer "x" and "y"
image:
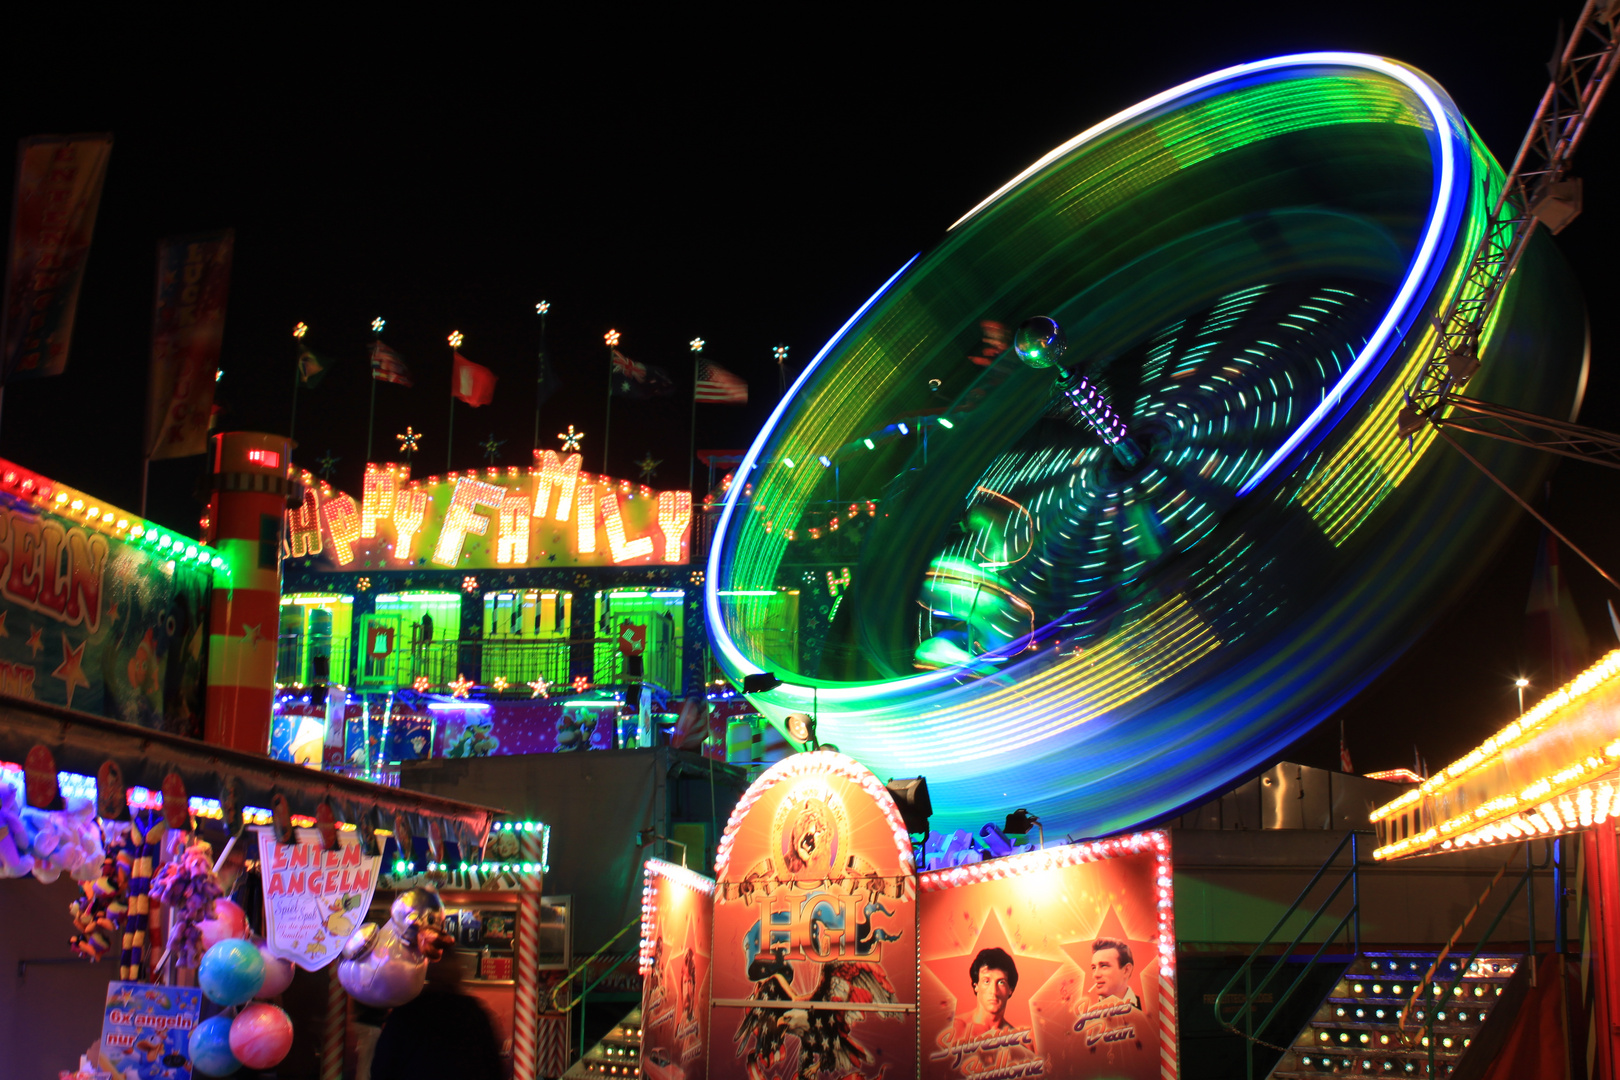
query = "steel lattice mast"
{"x": 1538, "y": 191}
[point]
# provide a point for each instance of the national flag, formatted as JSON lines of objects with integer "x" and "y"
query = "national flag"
{"x": 311, "y": 369}
{"x": 388, "y": 366}
{"x": 717, "y": 386}
{"x": 637, "y": 380}
{"x": 472, "y": 383}
{"x": 188, "y": 325}
{"x": 1344, "y": 752}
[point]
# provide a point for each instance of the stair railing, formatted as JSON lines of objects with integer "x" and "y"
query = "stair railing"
{"x": 1525, "y": 883}
{"x": 1246, "y": 974}
{"x": 579, "y": 999}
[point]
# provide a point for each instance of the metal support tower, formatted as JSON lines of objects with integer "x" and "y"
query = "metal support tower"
{"x": 1538, "y": 191}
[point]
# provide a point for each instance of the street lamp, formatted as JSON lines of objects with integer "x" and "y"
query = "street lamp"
{"x": 1520, "y": 683}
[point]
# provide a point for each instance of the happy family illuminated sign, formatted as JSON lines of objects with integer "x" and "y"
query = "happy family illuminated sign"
{"x": 551, "y": 514}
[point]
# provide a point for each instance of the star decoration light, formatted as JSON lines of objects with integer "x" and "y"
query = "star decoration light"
{"x": 581, "y": 684}
{"x": 697, "y": 344}
{"x": 469, "y": 583}
{"x": 456, "y": 338}
{"x": 377, "y": 325}
{"x": 460, "y": 686}
{"x": 300, "y": 330}
{"x": 363, "y": 584}
{"x": 648, "y": 466}
{"x": 500, "y": 683}
{"x": 780, "y": 352}
{"x": 611, "y": 337}
{"x": 542, "y": 307}
{"x": 539, "y": 686}
{"x": 570, "y": 440}
{"x": 492, "y": 448}
{"x": 421, "y": 683}
{"x": 327, "y": 463}
{"x": 410, "y": 442}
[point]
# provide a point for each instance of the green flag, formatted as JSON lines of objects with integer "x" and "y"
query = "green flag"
{"x": 311, "y": 369}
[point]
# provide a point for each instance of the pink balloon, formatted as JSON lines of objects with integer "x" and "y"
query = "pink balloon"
{"x": 229, "y": 921}
{"x": 261, "y": 1035}
{"x": 278, "y": 974}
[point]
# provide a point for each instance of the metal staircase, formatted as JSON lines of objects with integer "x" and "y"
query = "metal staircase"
{"x": 617, "y": 1056}
{"x": 1356, "y": 1031}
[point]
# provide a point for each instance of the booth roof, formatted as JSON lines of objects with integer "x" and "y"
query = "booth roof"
{"x": 80, "y": 742}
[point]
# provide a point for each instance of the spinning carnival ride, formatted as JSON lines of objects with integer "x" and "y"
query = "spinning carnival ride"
{"x": 1103, "y": 582}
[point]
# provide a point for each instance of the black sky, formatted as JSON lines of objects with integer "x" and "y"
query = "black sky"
{"x": 748, "y": 179}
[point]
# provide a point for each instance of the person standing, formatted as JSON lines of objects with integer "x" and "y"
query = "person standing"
{"x": 442, "y": 1032}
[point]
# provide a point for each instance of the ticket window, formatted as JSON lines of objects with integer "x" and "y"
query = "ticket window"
{"x": 661, "y": 613}
{"x": 313, "y": 640}
{"x": 530, "y": 615}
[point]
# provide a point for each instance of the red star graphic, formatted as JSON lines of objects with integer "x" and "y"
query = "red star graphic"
{"x": 71, "y": 672}
{"x": 34, "y": 641}
{"x": 953, "y": 972}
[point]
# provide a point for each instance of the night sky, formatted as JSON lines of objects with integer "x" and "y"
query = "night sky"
{"x": 750, "y": 182}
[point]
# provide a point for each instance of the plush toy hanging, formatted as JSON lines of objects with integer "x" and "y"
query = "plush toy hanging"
{"x": 386, "y": 965}
{"x": 99, "y": 914}
{"x": 188, "y": 885}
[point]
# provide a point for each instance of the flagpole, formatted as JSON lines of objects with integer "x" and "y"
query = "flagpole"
{"x": 298, "y": 340}
{"x": 612, "y": 339}
{"x": 540, "y": 370}
{"x": 455, "y": 343}
{"x": 371, "y": 414}
{"x": 691, "y": 449}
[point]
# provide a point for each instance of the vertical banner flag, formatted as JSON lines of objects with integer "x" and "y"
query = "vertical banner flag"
{"x": 314, "y": 898}
{"x": 472, "y": 383}
{"x": 188, "y": 323}
{"x": 59, "y": 180}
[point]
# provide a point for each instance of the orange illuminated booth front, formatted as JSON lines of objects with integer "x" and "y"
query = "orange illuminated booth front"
{"x": 817, "y": 947}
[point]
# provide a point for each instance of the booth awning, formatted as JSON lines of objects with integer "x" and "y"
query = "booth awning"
{"x": 80, "y": 743}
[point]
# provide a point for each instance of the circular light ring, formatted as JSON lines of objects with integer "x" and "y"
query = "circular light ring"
{"x": 1127, "y": 737}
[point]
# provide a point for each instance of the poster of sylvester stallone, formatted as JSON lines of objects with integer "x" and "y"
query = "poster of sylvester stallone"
{"x": 815, "y": 930}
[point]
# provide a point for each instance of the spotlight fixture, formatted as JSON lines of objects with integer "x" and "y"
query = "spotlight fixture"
{"x": 802, "y": 728}
{"x": 1018, "y": 824}
{"x": 911, "y": 799}
{"x": 760, "y": 682}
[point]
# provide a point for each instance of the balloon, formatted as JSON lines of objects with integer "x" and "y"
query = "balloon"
{"x": 229, "y": 921}
{"x": 261, "y": 1035}
{"x": 231, "y": 972}
{"x": 278, "y": 974}
{"x": 210, "y": 1047}
{"x": 383, "y": 966}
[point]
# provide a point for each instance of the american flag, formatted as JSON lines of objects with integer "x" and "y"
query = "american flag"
{"x": 717, "y": 386}
{"x": 386, "y": 366}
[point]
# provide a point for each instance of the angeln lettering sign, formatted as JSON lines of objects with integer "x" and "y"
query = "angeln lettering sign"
{"x": 314, "y": 898}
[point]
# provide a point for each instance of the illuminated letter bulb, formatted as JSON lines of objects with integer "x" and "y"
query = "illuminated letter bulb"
{"x": 461, "y": 517}
{"x": 558, "y": 471}
{"x": 410, "y": 510}
{"x": 512, "y": 531}
{"x": 342, "y": 525}
{"x": 674, "y": 521}
{"x": 303, "y": 526}
{"x": 587, "y": 519}
{"x": 622, "y": 550}
{"x": 377, "y": 498}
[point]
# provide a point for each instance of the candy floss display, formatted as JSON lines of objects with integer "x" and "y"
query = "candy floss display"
{"x": 819, "y": 950}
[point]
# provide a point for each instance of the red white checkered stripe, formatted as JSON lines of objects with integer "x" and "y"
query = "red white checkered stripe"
{"x": 337, "y": 1027}
{"x": 526, "y": 1002}
{"x": 1169, "y": 1049}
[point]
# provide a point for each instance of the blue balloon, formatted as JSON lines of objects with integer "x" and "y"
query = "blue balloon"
{"x": 231, "y": 972}
{"x": 210, "y": 1047}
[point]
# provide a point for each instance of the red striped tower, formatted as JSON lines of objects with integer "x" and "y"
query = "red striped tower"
{"x": 526, "y": 1006}
{"x": 245, "y": 514}
{"x": 337, "y": 1027}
